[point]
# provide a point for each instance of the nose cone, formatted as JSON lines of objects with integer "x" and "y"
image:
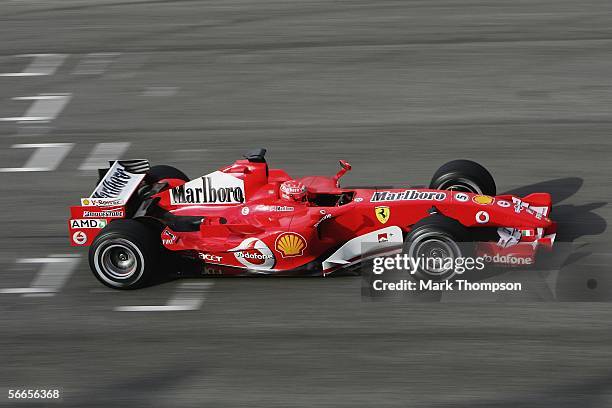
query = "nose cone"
{"x": 532, "y": 219}
{"x": 522, "y": 214}
{"x": 508, "y": 211}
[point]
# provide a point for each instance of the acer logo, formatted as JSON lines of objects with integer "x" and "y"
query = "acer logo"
{"x": 210, "y": 257}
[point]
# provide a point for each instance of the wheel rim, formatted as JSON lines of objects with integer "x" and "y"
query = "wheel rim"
{"x": 461, "y": 184}
{"x": 435, "y": 249}
{"x": 119, "y": 262}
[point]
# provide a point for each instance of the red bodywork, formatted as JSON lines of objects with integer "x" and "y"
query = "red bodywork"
{"x": 265, "y": 234}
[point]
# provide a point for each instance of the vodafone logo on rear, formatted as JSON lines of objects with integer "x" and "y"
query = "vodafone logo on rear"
{"x": 79, "y": 238}
{"x": 254, "y": 254}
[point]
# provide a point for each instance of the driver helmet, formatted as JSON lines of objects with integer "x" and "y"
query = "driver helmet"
{"x": 293, "y": 190}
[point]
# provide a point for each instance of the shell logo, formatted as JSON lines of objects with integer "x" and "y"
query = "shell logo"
{"x": 483, "y": 199}
{"x": 290, "y": 244}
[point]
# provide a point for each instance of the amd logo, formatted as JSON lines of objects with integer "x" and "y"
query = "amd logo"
{"x": 87, "y": 223}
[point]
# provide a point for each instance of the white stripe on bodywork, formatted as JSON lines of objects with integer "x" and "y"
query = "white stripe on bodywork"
{"x": 540, "y": 210}
{"x": 352, "y": 249}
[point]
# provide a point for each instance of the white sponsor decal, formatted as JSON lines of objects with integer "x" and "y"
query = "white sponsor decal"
{"x": 79, "y": 237}
{"x": 245, "y": 211}
{"x": 408, "y": 195}
{"x": 210, "y": 257}
{"x": 351, "y": 251}
{"x": 325, "y": 217}
{"x": 358, "y": 199}
{"x": 101, "y": 202}
{"x": 254, "y": 254}
{"x": 213, "y": 188}
{"x": 106, "y": 213}
{"x": 539, "y": 210}
{"x": 520, "y": 205}
{"x": 168, "y": 238}
{"x": 88, "y": 223}
{"x": 509, "y": 259}
{"x": 508, "y": 237}
{"x": 461, "y": 197}
{"x": 117, "y": 183}
{"x": 503, "y": 204}
{"x": 274, "y": 208}
{"x": 482, "y": 217}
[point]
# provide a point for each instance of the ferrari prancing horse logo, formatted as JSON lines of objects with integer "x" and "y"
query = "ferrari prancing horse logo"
{"x": 382, "y": 213}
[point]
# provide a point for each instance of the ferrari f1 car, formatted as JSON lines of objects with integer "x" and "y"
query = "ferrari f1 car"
{"x": 247, "y": 218}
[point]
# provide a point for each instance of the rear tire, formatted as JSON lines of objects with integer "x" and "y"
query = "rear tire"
{"x": 125, "y": 255}
{"x": 464, "y": 175}
{"x": 437, "y": 237}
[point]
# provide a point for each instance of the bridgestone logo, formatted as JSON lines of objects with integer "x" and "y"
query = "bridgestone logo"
{"x": 103, "y": 214}
{"x": 207, "y": 193}
{"x": 113, "y": 186}
{"x": 408, "y": 195}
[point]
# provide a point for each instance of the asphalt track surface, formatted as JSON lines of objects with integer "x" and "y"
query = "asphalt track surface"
{"x": 396, "y": 88}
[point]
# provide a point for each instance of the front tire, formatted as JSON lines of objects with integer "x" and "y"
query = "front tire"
{"x": 464, "y": 175}
{"x": 125, "y": 255}
{"x": 435, "y": 240}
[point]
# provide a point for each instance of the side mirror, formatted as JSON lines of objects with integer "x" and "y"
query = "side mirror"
{"x": 345, "y": 168}
{"x": 345, "y": 165}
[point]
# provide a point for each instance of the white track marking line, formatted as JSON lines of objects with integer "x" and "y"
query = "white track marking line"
{"x": 25, "y": 119}
{"x": 189, "y": 296}
{"x": 103, "y": 153}
{"x": 42, "y": 64}
{"x": 45, "y": 107}
{"x": 38, "y": 294}
{"x": 95, "y": 63}
{"x": 39, "y": 97}
{"x": 51, "y": 278}
{"x": 23, "y": 290}
{"x": 46, "y": 157}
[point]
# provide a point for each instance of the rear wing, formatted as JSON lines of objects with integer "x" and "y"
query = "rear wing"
{"x": 107, "y": 202}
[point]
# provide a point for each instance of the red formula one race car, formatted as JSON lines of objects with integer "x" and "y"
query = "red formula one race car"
{"x": 247, "y": 218}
